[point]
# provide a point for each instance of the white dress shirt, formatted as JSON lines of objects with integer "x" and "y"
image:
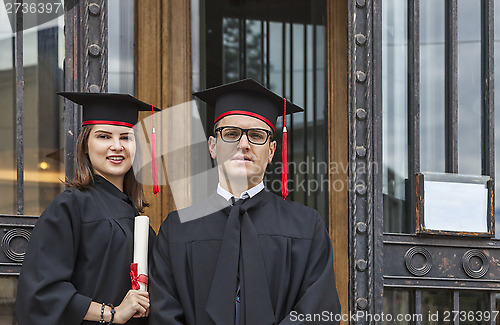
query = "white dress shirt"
{"x": 248, "y": 193}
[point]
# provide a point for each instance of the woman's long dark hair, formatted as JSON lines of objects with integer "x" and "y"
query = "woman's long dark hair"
{"x": 84, "y": 174}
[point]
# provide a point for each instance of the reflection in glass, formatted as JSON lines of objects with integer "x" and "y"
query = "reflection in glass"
{"x": 398, "y": 302}
{"x": 8, "y": 292}
{"x": 231, "y": 43}
{"x": 254, "y": 36}
{"x": 395, "y": 113}
{"x": 432, "y": 78}
{"x": 469, "y": 87}
{"x": 121, "y": 46}
{"x": 474, "y": 301}
{"x": 43, "y": 115}
{"x": 437, "y": 302}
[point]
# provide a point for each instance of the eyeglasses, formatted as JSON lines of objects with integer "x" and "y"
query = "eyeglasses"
{"x": 233, "y": 134}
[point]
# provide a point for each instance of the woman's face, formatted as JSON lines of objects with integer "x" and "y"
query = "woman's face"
{"x": 111, "y": 150}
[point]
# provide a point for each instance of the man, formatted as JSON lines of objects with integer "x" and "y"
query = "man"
{"x": 244, "y": 255}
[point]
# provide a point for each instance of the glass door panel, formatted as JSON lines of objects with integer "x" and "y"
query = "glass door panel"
{"x": 395, "y": 112}
{"x": 43, "y": 115}
{"x": 281, "y": 45}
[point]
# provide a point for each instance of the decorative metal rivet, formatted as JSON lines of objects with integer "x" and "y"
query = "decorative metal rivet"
{"x": 418, "y": 270}
{"x": 361, "y": 265}
{"x": 360, "y": 39}
{"x": 94, "y": 9}
{"x": 361, "y": 227}
{"x": 362, "y": 303}
{"x": 6, "y": 240}
{"x": 360, "y": 76}
{"x": 361, "y": 189}
{"x": 466, "y": 263}
{"x": 361, "y": 114}
{"x": 360, "y": 3}
{"x": 360, "y": 151}
{"x": 94, "y": 89}
{"x": 94, "y": 50}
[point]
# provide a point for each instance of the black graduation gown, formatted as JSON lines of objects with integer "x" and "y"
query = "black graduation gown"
{"x": 80, "y": 251}
{"x": 295, "y": 247}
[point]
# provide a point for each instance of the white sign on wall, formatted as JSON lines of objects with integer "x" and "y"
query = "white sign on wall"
{"x": 455, "y": 203}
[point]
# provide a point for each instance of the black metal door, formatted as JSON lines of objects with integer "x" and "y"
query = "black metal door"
{"x": 425, "y": 278}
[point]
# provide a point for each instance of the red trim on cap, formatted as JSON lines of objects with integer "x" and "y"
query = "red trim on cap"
{"x": 108, "y": 122}
{"x": 236, "y": 112}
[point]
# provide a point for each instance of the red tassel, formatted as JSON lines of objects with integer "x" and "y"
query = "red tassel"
{"x": 284, "y": 172}
{"x": 156, "y": 188}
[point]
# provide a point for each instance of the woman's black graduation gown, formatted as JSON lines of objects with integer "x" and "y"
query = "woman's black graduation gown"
{"x": 295, "y": 247}
{"x": 80, "y": 251}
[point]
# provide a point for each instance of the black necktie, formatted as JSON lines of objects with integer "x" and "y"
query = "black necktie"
{"x": 240, "y": 236}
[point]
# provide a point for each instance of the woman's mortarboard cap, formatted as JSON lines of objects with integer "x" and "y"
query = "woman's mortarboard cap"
{"x": 114, "y": 109}
{"x": 104, "y": 108}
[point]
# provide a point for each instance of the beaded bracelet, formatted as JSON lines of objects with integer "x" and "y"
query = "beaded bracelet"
{"x": 102, "y": 314}
{"x": 112, "y": 311}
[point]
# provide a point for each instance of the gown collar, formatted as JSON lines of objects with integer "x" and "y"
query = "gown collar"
{"x": 105, "y": 185}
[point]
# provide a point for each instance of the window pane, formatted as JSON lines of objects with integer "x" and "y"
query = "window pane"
{"x": 43, "y": 115}
{"x": 254, "y": 50}
{"x": 469, "y": 87}
{"x": 399, "y": 302}
{"x": 497, "y": 115}
{"x": 318, "y": 153}
{"x": 276, "y": 57}
{"x": 296, "y": 95}
{"x": 395, "y": 113}
{"x": 436, "y": 302}
{"x": 121, "y": 46}
{"x": 8, "y": 120}
{"x": 231, "y": 42}
{"x": 471, "y": 302}
{"x": 8, "y": 292}
{"x": 432, "y": 77}
{"x": 497, "y": 307}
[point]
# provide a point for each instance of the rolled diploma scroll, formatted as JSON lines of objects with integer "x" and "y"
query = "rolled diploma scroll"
{"x": 141, "y": 236}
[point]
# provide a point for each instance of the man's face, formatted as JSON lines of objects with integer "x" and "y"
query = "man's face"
{"x": 242, "y": 161}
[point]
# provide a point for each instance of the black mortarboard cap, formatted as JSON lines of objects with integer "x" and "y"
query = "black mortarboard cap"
{"x": 114, "y": 109}
{"x": 104, "y": 108}
{"x": 247, "y": 97}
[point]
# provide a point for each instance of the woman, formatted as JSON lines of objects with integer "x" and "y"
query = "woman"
{"x": 77, "y": 265}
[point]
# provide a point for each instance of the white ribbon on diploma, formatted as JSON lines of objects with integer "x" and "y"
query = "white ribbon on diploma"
{"x": 141, "y": 237}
